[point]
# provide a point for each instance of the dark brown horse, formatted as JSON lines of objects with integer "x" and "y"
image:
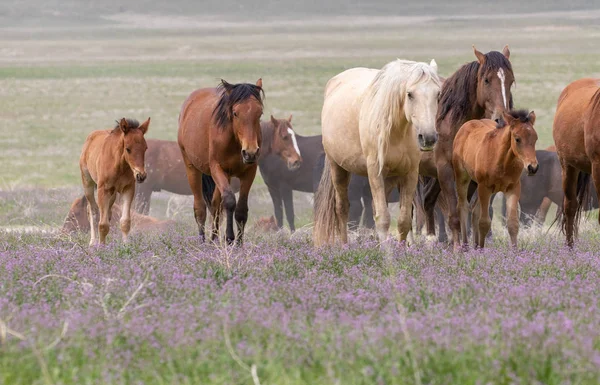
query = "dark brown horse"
{"x": 112, "y": 161}
{"x": 494, "y": 158}
{"x": 166, "y": 171}
{"x": 576, "y": 133}
{"x": 282, "y": 181}
{"x": 480, "y": 89}
{"x": 220, "y": 138}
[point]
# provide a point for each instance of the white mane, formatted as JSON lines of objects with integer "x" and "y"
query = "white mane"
{"x": 383, "y": 101}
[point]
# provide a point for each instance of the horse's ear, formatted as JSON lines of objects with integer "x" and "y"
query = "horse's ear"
{"x": 479, "y": 55}
{"x": 290, "y": 118}
{"x": 506, "y": 52}
{"x": 259, "y": 83}
{"x": 508, "y": 118}
{"x": 123, "y": 125}
{"x": 274, "y": 121}
{"x": 228, "y": 87}
{"x": 433, "y": 65}
{"x": 531, "y": 117}
{"x": 144, "y": 126}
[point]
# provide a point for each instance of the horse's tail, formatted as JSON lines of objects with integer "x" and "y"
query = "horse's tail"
{"x": 326, "y": 221}
{"x": 208, "y": 188}
{"x": 584, "y": 196}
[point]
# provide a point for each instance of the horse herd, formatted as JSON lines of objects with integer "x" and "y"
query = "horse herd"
{"x": 401, "y": 133}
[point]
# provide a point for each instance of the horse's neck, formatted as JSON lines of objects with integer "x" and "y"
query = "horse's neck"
{"x": 117, "y": 152}
{"x": 268, "y": 131}
{"x": 508, "y": 157}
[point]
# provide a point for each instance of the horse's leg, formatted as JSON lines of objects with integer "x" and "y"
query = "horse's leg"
{"x": 287, "y": 195}
{"x": 569, "y": 177}
{"x": 542, "y": 211}
{"x": 596, "y": 179}
{"x": 127, "y": 197}
{"x": 143, "y": 194}
{"x": 368, "y": 216}
{"x": 241, "y": 210}
{"x": 341, "y": 179}
{"x": 462, "y": 187}
{"x": 194, "y": 177}
{"x": 485, "y": 222}
{"x": 512, "y": 208}
{"x": 215, "y": 211}
{"x": 407, "y": 187}
{"x": 275, "y": 192}
{"x": 382, "y": 214}
{"x": 105, "y": 196}
{"x": 431, "y": 193}
{"x": 448, "y": 185}
{"x": 441, "y": 220}
{"x": 92, "y": 209}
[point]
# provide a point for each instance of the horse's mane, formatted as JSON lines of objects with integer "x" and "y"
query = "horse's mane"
{"x": 522, "y": 115}
{"x": 232, "y": 94}
{"x": 384, "y": 98}
{"x": 459, "y": 91}
{"x": 131, "y": 123}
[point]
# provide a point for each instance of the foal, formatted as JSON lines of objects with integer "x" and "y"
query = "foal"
{"x": 493, "y": 158}
{"x": 112, "y": 161}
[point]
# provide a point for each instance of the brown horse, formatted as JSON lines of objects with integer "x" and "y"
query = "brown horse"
{"x": 480, "y": 89}
{"x": 220, "y": 137}
{"x": 166, "y": 171}
{"x": 77, "y": 220}
{"x": 494, "y": 159}
{"x": 112, "y": 161}
{"x": 576, "y": 133}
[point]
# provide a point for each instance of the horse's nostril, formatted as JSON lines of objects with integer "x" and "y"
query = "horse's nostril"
{"x": 420, "y": 136}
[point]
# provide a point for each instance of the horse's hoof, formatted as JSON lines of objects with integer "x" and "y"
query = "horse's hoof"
{"x": 230, "y": 241}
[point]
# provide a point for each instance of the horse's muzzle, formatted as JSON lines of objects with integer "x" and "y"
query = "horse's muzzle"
{"x": 293, "y": 166}
{"x": 249, "y": 157}
{"x": 140, "y": 177}
{"x": 531, "y": 169}
{"x": 427, "y": 142}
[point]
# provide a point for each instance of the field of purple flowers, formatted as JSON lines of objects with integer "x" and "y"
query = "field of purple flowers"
{"x": 165, "y": 310}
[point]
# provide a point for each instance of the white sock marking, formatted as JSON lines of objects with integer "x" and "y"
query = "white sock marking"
{"x": 294, "y": 141}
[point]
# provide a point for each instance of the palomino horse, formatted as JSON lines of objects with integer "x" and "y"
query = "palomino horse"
{"x": 576, "y": 133}
{"x": 493, "y": 158}
{"x": 77, "y": 220}
{"x": 166, "y": 170}
{"x": 220, "y": 137}
{"x": 112, "y": 161}
{"x": 480, "y": 89}
{"x": 374, "y": 122}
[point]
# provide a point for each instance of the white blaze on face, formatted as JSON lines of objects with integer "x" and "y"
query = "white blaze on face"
{"x": 502, "y": 80}
{"x": 293, "y": 135}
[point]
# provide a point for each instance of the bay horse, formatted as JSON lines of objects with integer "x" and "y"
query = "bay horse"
{"x": 479, "y": 89}
{"x": 493, "y": 158}
{"x": 576, "y": 133}
{"x": 166, "y": 171}
{"x": 220, "y": 137}
{"x": 77, "y": 220}
{"x": 111, "y": 162}
{"x": 374, "y": 123}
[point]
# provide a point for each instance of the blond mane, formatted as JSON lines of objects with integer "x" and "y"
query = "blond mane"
{"x": 383, "y": 101}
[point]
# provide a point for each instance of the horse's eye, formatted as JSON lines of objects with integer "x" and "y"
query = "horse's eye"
{"x": 410, "y": 95}
{"x": 128, "y": 150}
{"x": 486, "y": 81}
{"x": 235, "y": 114}
{"x": 518, "y": 140}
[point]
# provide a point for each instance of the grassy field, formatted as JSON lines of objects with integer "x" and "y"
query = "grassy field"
{"x": 161, "y": 310}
